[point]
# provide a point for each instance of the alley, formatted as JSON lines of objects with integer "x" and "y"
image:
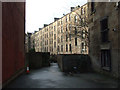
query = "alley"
{"x": 52, "y": 77}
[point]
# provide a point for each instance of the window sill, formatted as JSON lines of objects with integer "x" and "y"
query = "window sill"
{"x": 105, "y": 42}
{"x": 93, "y": 12}
{"x": 106, "y": 68}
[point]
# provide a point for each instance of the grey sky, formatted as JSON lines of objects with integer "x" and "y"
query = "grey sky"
{"x": 39, "y": 12}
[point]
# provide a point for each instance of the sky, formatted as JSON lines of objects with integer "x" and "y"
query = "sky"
{"x": 40, "y": 12}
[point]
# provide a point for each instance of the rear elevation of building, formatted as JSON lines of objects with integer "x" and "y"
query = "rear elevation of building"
{"x": 63, "y": 35}
{"x": 13, "y": 31}
{"x": 104, "y": 27}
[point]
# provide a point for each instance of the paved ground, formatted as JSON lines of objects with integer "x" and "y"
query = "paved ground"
{"x": 52, "y": 77}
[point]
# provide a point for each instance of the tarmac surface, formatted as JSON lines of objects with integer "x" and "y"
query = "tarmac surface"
{"x": 52, "y": 77}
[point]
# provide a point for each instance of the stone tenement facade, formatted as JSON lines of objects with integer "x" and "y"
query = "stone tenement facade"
{"x": 62, "y": 36}
{"x": 28, "y": 42}
{"x": 104, "y": 27}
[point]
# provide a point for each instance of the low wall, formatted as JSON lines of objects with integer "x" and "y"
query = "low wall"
{"x": 37, "y": 59}
{"x": 59, "y": 60}
{"x": 67, "y": 62}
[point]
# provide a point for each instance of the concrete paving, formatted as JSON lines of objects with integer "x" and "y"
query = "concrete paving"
{"x": 52, "y": 77}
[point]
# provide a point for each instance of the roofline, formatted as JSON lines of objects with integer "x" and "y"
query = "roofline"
{"x": 68, "y": 13}
{"x": 64, "y": 16}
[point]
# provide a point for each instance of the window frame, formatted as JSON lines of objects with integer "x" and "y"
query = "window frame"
{"x": 75, "y": 41}
{"x": 66, "y": 48}
{"x": 70, "y": 48}
{"x": 104, "y": 29}
{"x": 106, "y": 59}
{"x": 92, "y": 7}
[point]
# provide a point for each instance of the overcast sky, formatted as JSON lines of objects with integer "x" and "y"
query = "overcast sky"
{"x": 40, "y": 12}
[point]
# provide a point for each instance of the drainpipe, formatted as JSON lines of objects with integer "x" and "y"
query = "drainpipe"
{"x": 118, "y": 33}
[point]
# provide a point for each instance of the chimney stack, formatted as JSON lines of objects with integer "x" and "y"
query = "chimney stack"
{"x": 45, "y": 25}
{"x": 35, "y": 31}
{"x": 72, "y": 8}
{"x": 55, "y": 19}
{"x": 40, "y": 29}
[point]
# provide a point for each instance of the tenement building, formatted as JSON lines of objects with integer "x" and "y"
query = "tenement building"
{"x": 104, "y": 27}
{"x": 66, "y": 35}
{"x": 28, "y": 42}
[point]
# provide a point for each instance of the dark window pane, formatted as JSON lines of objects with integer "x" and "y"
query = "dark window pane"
{"x": 104, "y": 30}
{"x": 75, "y": 41}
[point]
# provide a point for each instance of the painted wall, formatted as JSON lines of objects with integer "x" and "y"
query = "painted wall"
{"x": 13, "y": 29}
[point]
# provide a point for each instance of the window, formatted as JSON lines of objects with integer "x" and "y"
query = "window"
{"x": 58, "y": 23}
{"x": 61, "y": 29}
{"x": 55, "y": 36}
{"x": 82, "y": 12}
{"x": 61, "y": 39}
{"x": 75, "y": 19}
{"x": 66, "y": 38}
{"x": 66, "y": 18}
{"x": 85, "y": 47}
{"x": 70, "y": 37}
{"x": 58, "y": 31}
{"x": 61, "y": 48}
{"x": 54, "y": 28}
{"x": 47, "y": 42}
{"x": 69, "y": 17}
{"x": 58, "y": 40}
{"x": 54, "y": 44}
{"x": 83, "y": 34}
{"x": 40, "y": 43}
{"x": 82, "y": 20}
{"x": 50, "y": 41}
{"x": 70, "y": 47}
{"x": 66, "y": 27}
{"x": 75, "y": 41}
{"x": 45, "y": 35}
{"x": 69, "y": 27}
{"x": 61, "y": 22}
{"x": 105, "y": 59}
{"x": 82, "y": 46}
{"x": 75, "y": 31}
{"x": 47, "y": 49}
{"x": 104, "y": 30}
{"x": 58, "y": 49}
{"x": 50, "y": 49}
{"x": 66, "y": 48}
{"x": 49, "y": 34}
{"x": 92, "y": 7}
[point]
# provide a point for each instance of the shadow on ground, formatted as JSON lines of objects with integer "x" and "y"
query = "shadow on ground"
{"x": 52, "y": 77}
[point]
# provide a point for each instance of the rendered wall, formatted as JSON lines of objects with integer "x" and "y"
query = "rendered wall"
{"x": 96, "y": 45}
